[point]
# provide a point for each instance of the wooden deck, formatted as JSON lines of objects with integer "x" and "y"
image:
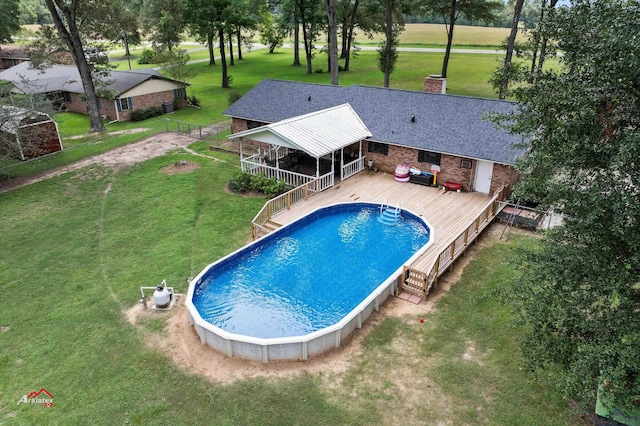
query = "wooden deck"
{"x": 449, "y": 213}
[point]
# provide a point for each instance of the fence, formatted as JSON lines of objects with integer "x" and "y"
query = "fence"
{"x": 193, "y": 130}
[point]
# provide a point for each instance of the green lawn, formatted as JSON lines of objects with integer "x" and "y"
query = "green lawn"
{"x": 76, "y": 249}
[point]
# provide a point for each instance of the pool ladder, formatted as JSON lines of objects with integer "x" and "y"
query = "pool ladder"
{"x": 389, "y": 215}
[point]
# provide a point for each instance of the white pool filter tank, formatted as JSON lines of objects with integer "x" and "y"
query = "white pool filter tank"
{"x": 162, "y": 297}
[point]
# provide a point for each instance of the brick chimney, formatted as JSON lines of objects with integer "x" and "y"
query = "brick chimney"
{"x": 435, "y": 84}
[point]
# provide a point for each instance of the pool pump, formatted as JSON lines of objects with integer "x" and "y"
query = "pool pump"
{"x": 162, "y": 296}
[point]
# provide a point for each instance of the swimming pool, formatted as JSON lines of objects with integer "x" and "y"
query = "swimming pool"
{"x": 302, "y": 289}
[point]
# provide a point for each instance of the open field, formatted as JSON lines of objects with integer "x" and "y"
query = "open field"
{"x": 436, "y": 35}
{"x": 76, "y": 249}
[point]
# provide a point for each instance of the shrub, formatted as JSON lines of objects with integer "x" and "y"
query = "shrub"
{"x": 234, "y": 96}
{"x": 244, "y": 182}
{"x": 193, "y": 101}
{"x": 147, "y": 56}
{"x": 143, "y": 114}
{"x": 240, "y": 183}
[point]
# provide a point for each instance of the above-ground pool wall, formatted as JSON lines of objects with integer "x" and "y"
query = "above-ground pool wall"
{"x": 266, "y": 350}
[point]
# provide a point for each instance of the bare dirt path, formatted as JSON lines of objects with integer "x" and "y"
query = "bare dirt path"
{"x": 116, "y": 158}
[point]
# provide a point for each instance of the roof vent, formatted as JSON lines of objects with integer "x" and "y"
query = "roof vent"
{"x": 413, "y": 118}
{"x": 309, "y": 98}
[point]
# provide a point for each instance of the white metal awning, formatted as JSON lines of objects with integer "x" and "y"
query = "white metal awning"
{"x": 318, "y": 133}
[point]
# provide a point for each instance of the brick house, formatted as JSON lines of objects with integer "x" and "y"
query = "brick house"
{"x": 419, "y": 129}
{"x": 122, "y": 93}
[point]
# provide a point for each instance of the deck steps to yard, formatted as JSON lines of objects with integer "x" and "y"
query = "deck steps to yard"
{"x": 271, "y": 226}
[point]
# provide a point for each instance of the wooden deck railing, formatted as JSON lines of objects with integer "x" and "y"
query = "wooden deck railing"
{"x": 421, "y": 282}
{"x": 284, "y": 202}
{"x": 352, "y": 168}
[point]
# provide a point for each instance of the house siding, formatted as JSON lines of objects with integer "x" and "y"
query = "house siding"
{"x": 108, "y": 107}
{"x": 451, "y": 169}
{"x": 150, "y": 100}
{"x": 77, "y": 104}
{"x": 503, "y": 174}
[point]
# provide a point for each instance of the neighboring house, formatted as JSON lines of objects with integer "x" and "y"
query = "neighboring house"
{"x": 11, "y": 56}
{"x": 121, "y": 93}
{"x": 27, "y": 134}
{"x": 420, "y": 129}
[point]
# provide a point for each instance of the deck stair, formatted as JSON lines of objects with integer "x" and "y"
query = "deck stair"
{"x": 271, "y": 226}
{"x": 389, "y": 215}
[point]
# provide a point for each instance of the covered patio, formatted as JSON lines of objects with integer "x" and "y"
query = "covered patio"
{"x": 319, "y": 146}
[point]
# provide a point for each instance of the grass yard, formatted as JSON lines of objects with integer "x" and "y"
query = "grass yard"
{"x": 76, "y": 249}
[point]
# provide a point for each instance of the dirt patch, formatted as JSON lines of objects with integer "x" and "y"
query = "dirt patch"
{"x": 118, "y": 132}
{"x": 179, "y": 167}
{"x": 129, "y": 131}
{"x": 115, "y": 159}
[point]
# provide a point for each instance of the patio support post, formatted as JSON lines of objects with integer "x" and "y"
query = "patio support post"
{"x": 317, "y": 167}
{"x": 342, "y": 163}
{"x": 333, "y": 163}
{"x": 278, "y": 162}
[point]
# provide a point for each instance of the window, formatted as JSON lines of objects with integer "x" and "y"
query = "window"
{"x": 124, "y": 104}
{"x": 379, "y": 148}
{"x": 66, "y": 96}
{"x": 429, "y": 157}
{"x": 465, "y": 164}
{"x": 253, "y": 124}
{"x": 180, "y": 93}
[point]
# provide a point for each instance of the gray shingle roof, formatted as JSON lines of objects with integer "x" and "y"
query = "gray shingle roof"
{"x": 67, "y": 78}
{"x": 443, "y": 123}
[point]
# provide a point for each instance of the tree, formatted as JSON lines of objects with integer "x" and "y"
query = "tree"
{"x": 174, "y": 64}
{"x": 451, "y": 10}
{"x": 72, "y": 19}
{"x": 203, "y": 18}
{"x": 540, "y": 42}
{"x": 311, "y": 19}
{"x": 9, "y": 23}
{"x": 388, "y": 52}
{"x": 511, "y": 42}
{"x": 332, "y": 25}
{"x": 348, "y": 18}
{"x": 385, "y": 17}
{"x": 33, "y": 12}
{"x": 121, "y": 25}
{"x": 271, "y": 33}
{"x": 579, "y": 293}
{"x": 162, "y": 21}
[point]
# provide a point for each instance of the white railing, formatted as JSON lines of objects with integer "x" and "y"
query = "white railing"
{"x": 254, "y": 166}
{"x": 352, "y": 168}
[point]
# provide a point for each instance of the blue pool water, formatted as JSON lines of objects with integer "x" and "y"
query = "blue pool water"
{"x": 309, "y": 275}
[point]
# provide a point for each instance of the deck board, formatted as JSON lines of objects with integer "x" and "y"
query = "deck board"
{"x": 449, "y": 213}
